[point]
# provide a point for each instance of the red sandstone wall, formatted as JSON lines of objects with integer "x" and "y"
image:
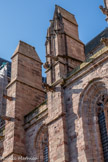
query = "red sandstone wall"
{"x": 82, "y": 122}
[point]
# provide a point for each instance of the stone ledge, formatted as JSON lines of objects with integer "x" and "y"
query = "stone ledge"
{"x": 17, "y": 80}
{"x": 87, "y": 62}
{"x": 36, "y": 113}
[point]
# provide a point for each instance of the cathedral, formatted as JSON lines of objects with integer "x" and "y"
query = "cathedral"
{"x": 63, "y": 118}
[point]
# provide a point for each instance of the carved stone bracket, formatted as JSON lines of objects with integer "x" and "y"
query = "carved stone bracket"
{"x": 46, "y": 65}
{"x": 62, "y": 82}
{"x": 7, "y": 97}
{"x": 3, "y": 117}
{"x": 48, "y": 87}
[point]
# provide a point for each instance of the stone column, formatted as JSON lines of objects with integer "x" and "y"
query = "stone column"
{"x": 58, "y": 142}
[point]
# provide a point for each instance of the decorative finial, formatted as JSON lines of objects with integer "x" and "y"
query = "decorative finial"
{"x": 105, "y": 10}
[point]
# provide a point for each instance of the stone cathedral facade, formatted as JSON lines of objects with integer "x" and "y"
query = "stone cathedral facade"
{"x": 66, "y": 118}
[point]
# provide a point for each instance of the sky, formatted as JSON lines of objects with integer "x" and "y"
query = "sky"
{"x": 28, "y": 20}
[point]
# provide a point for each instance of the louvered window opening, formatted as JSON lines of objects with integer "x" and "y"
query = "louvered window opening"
{"x": 45, "y": 153}
{"x": 104, "y": 136}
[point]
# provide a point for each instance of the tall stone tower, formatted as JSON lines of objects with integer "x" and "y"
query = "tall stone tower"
{"x": 64, "y": 52}
{"x": 26, "y": 92}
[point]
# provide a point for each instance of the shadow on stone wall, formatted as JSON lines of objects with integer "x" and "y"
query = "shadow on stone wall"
{"x": 41, "y": 142}
{"x": 71, "y": 129}
{"x": 89, "y": 114}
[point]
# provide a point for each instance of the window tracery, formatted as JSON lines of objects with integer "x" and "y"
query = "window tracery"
{"x": 102, "y": 120}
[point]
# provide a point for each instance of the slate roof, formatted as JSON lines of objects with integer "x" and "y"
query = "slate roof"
{"x": 95, "y": 42}
{"x": 9, "y": 65}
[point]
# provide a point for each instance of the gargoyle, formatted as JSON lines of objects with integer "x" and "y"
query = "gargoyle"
{"x": 48, "y": 87}
{"x": 104, "y": 10}
{"x": 46, "y": 65}
{"x": 104, "y": 41}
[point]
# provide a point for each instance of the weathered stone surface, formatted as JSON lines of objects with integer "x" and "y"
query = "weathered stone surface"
{"x": 65, "y": 127}
{"x": 26, "y": 91}
{"x": 80, "y": 100}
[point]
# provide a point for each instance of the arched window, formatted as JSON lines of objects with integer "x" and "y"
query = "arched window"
{"x": 42, "y": 144}
{"x": 94, "y": 115}
{"x": 102, "y": 119}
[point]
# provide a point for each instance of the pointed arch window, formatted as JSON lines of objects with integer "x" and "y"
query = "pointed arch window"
{"x": 102, "y": 120}
{"x": 42, "y": 144}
